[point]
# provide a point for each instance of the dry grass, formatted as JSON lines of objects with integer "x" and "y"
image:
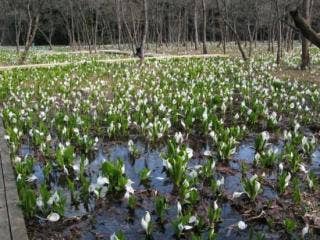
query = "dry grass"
{"x": 311, "y": 75}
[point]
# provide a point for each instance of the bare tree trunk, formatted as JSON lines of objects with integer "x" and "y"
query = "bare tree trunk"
{"x": 145, "y": 30}
{"x": 305, "y": 56}
{"x": 279, "y": 32}
{"x": 18, "y": 26}
{"x": 221, "y": 28}
{"x": 96, "y": 24}
{"x": 133, "y": 26}
{"x": 195, "y": 18}
{"x": 237, "y": 41}
{"x": 204, "y": 13}
{"x": 251, "y": 36}
{"x": 273, "y": 37}
{"x": 118, "y": 4}
{"x": 79, "y": 40}
{"x": 256, "y": 27}
{"x": 269, "y": 37}
{"x": 72, "y": 24}
{"x": 85, "y": 28}
{"x": 131, "y": 38}
{"x": 305, "y": 28}
{"x": 47, "y": 38}
{"x": 31, "y": 33}
{"x": 186, "y": 32}
{"x": 2, "y": 37}
{"x": 179, "y": 29}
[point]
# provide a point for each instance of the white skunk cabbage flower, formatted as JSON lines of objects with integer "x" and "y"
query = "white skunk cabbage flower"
{"x": 178, "y": 137}
{"x": 303, "y": 168}
{"x": 265, "y": 136}
{"x": 53, "y": 217}
{"x": 242, "y": 225}
{"x": 305, "y": 230}
{"x": 237, "y": 194}
{"x": 281, "y": 167}
{"x": 179, "y": 208}
{"x": 145, "y": 222}
{"x": 189, "y": 152}
{"x": 101, "y": 181}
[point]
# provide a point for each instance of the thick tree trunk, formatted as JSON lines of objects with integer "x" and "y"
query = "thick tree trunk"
{"x": 305, "y": 28}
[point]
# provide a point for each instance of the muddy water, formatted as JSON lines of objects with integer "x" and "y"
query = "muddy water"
{"x": 107, "y": 218}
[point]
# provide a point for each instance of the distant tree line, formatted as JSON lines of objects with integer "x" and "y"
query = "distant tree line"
{"x": 92, "y": 23}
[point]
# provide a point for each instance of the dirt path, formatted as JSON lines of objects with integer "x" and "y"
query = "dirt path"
{"x": 46, "y": 52}
{"x": 158, "y": 57}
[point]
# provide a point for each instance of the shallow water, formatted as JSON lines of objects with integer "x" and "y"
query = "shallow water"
{"x": 111, "y": 217}
{"x": 26, "y": 150}
{"x": 315, "y": 162}
{"x": 245, "y": 152}
{"x": 117, "y": 217}
{"x": 232, "y": 183}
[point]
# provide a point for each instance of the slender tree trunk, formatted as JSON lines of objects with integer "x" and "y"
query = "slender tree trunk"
{"x": 2, "y": 37}
{"x": 273, "y": 37}
{"x": 18, "y": 26}
{"x": 30, "y": 37}
{"x": 179, "y": 29}
{"x": 85, "y": 28}
{"x": 72, "y": 28}
{"x": 79, "y": 41}
{"x": 279, "y": 33}
{"x": 119, "y": 27}
{"x": 251, "y": 36}
{"x": 47, "y": 38}
{"x": 269, "y": 37}
{"x": 305, "y": 56}
{"x": 237, "y": 40}
{"x": 31, "y": 33}
{"x": 289, "y": 40}
{"x": 145, "y": 29}
{"x": 204, "y": 13}
{"x": 96, "y": 24}
{"x": 134, "y": 31}
{"x": 130, "y": 34}
{"x": 195, "y": 20}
